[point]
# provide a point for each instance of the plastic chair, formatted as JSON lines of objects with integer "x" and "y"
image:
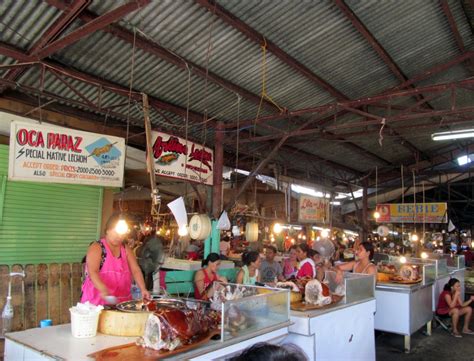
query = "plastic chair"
{"x": 444, "y": 321}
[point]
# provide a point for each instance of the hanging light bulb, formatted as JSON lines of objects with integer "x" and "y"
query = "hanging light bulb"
{"x": 277, "y": 228}
{"x": 376, "y": 215}
{"x": 325, "y": 233}
{"x": 183, "y": 231}
{"x": 414, "y": 237}
{"x": 424, "y": 255}
{"x": 121, "y": 227}
{"x": 403, "y": 259}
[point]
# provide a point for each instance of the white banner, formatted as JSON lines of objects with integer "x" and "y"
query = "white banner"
{"x": 176, "y": 159}
{"x": 45, "y": 153}
{"x": 313, "y": 210}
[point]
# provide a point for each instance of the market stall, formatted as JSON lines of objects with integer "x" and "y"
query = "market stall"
{"x": 253, "y": 315}
{"x": 404, "y": 305}
{"x": 342, "y": 330}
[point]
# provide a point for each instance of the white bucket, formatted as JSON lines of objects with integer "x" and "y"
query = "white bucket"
{"x": 200, "y": 227}
{"x": 84, "y": 325}
{"x": 251, "y": 231}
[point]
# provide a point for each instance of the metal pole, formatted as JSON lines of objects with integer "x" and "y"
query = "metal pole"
{"x": 218, "y": 165}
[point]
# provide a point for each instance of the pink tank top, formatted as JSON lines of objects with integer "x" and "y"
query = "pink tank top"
{"x": 115, "y": 273}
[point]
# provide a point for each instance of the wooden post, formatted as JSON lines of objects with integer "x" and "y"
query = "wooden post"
{"x": 54, "y": 293}
{"x": 42, "y": 293}
{"x": 149, "y": 157}
{"x": 76, "y": 282}
{"x": 66, "y": 294}
{"x": 218, "y": 166}
{"x": 30, "y": 297}
{"x": 17, "y": 298}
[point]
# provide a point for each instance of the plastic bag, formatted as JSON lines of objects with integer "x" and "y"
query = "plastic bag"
{"x": 224, "y": 222}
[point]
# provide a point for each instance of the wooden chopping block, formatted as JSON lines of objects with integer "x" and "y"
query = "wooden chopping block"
{"x": 117, "y": 323}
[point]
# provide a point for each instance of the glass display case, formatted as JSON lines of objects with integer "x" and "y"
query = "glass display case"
{"x": 357, "y": 286}
{"x": 457, "y": 261}
{"x": 251, "y": 309}
{"x": 426, "y": 268}
{"x": 440, "y": 263}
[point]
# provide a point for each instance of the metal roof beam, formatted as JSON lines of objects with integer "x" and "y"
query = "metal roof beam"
{"x": 375, "y": 119}
{"x": 19, "y": 55}
{"x": 385, "y": 57}
{"x": 163, "y": 53}
{"x": 452, "y": 24}
{"x": 90, "y": 27}
{"x": 259, "y": 39}
{"x": 417, "y": 78}
{"x": 56, "y": 29}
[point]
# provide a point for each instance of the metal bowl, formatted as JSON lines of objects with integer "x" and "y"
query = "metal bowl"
{"x": 141, "y": 306}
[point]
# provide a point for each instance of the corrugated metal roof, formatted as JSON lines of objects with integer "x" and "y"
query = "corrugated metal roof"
{"x": 415, "y": 34}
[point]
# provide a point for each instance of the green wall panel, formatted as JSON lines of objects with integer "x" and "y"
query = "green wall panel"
{"x": 46, "y": 222}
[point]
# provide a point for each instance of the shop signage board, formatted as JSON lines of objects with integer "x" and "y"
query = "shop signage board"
{"x": 411, "y": 213}
{"x": 313, "y": 210}
{"x": 45, "y": 153}
{"x": 175, "y": 158}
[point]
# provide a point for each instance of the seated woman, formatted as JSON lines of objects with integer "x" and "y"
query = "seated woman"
{"x": 290, "y": 264}
{"x": 204, "y": 278}
{"x": 307, "y": 267}
{"x": 363, "y": 264}
{"x": 450, "y": 303}
{"x": 249, "y": 273}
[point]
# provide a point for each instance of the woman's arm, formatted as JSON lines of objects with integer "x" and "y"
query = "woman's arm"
{"x": 136, "y": 273}
{"x": 348, "y": 266}
{"x": 199, "y": 281}
{"x": 94, "y": 255}
{"x": 320, "y": 273}
{"x": 451, "y": 300}
{"x": 467, "y": 303}
{"x": 240, "y": 277}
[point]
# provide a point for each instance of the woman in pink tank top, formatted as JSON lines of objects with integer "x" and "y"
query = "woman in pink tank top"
{"x": 110, "y": 266}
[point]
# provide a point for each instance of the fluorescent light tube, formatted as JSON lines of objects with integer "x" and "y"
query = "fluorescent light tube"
{"x": 455, "y": 134}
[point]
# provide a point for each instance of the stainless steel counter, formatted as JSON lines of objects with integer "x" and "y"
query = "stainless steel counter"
{"x": 404, "y": 309}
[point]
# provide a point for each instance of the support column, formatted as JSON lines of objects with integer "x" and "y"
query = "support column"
{"x": 218, "y": 167}
{"x": 365, "y": 211}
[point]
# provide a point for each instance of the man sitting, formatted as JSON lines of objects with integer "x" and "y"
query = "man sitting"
{"x": 270, "y": 269}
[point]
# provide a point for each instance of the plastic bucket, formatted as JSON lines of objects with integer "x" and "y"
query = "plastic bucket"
{"x": 83, "y": 326}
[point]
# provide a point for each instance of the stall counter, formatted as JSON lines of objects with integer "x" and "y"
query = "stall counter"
{"x": 404, "y": 309}
{"x": 57, "y": 343}
{"x": 336, "y": 332}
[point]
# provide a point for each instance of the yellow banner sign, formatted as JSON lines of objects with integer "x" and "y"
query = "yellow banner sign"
{"x": 413, "y": 213}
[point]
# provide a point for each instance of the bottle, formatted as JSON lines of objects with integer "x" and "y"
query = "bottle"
{"x": 7, "y": 317}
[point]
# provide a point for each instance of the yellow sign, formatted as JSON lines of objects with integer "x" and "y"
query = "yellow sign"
{"x": 413, "y": 213}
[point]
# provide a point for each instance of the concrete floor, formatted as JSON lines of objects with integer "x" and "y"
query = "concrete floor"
{"x": 440, "y": 346}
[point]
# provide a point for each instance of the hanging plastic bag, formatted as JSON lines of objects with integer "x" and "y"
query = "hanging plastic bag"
{"x": 224, "y": 222}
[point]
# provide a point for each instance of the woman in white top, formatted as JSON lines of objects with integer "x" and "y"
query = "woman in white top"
{"x": 363, "y": 264}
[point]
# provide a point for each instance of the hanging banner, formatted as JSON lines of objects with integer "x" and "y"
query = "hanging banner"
{"x": 410, "y": 213}
{"x": 45, "y": 153}
{"x": 175, "y": 158}
{"x": 313, "y": 210}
